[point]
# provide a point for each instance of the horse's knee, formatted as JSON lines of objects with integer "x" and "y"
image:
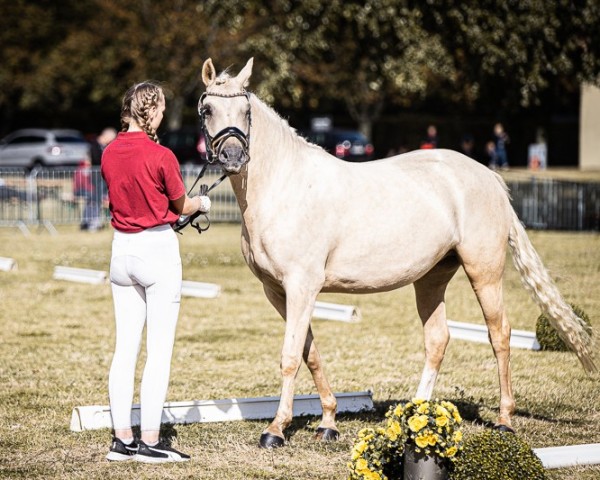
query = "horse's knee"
{"x": 290, "y": 365}
{"x": 435, "y": 345}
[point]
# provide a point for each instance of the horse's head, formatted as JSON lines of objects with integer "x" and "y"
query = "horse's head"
{"x": 224, "y": 110}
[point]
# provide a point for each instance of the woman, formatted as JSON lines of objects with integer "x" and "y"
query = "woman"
{"x": 146, "y": 196}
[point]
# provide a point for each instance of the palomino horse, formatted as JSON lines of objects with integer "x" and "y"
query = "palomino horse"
{"x": 423, "y": 214}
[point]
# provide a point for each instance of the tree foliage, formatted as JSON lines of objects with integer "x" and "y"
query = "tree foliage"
{"x": 364, "y": 54}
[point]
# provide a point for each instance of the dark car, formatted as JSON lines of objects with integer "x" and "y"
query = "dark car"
{"x": 349, "y": 145}
{"x": 187, "y": 144}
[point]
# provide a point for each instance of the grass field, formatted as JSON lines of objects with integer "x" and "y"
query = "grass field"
{"x": 57, "y": 343}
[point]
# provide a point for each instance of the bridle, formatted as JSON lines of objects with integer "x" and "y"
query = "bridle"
{"x": 215, "y": 145}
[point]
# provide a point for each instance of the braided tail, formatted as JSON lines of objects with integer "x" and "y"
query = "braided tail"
{"x": 536, "y": 279}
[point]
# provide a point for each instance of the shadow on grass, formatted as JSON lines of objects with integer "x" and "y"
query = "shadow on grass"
{"x": 469, "y": 409}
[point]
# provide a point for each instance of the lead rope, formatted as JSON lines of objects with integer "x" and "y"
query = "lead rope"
{"x": 185, "y": 220}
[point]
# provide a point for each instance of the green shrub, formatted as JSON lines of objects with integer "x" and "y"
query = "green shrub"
{"x": 494, "y": 455}
{"x": 548, "y": 337}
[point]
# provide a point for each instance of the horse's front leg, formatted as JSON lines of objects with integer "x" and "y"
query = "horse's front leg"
{"x": 299, "y": 306}
{"x": 327, "y": 429}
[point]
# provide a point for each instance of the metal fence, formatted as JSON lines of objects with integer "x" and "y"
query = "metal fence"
{"x": 64, "y": 196}
{"x": 49, "y": 197}
{"x": 557, "y": 205}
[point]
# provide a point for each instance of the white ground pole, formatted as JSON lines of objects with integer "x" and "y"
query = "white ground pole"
{"x": 82, "y": 275}
{"x": 569, "y": 456}
{"x": 7, "y": 264}
{"x": 479, "y": 334}
{"x": 199, "y": 289}
{"x": 334, "y": 311}
{"x": 94, "y": 417}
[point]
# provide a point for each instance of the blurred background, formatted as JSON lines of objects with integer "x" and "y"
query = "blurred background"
{"x": 386, "y": 68}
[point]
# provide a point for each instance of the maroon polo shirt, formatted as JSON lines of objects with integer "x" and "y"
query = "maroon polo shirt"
{"x": 142, "y": 178}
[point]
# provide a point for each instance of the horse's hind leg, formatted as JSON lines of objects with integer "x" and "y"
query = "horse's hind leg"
{"x": 430, "y": 291}
{"x": 327, "y": 429}
{"x": 486, "y": 280}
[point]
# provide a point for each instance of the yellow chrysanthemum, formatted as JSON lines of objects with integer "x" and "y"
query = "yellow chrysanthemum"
{"x": 458, "y": 436}
{"x": 440, "y": 410}
{"x": 423, "y": 408}
{"x": 361, "y": 465}
{"x": 441, "y": 421}
{"x": 451, "y": 452}
{"x": 358, "y": 449}
{"x": 398, "y": 411}
{"x": 393, "y": 431}
{"x": 421, "y": 441}
{"x": 418, "y": 401}
{"x": 417, "y": 422}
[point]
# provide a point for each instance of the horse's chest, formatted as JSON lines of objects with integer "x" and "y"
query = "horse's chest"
{"x": 259, "y": 258}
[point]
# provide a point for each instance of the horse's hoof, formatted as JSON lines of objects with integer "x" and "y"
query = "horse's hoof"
{"x": 268, "y": 440}
{"x": 503, "y": 428}
{"x": 328, "y": 434}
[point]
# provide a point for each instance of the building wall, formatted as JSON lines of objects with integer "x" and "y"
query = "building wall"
{"x": 589, "y": 131}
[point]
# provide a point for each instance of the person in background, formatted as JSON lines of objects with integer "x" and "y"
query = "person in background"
{"x": 86, "y": 188}
{"x": 500, "y": 141}
{"x": 100, "y": 143}
{"x": 467, "y": 145}
{"x": 146, "y": 197}
{"x": 490, "y": 150}
{"x": 431, "y": 141}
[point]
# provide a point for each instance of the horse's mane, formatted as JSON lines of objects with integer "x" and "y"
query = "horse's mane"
{"x": 287, "y": 136}
{"x": 279, "y": 133}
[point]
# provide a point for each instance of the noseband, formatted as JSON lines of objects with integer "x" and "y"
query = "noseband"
{"x": 215, "y": 145}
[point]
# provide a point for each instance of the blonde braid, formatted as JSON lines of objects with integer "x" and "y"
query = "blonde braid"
{"x": 137, "y": 102}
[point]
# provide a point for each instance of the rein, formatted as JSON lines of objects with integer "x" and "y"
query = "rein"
{"x": 185, "y": 220}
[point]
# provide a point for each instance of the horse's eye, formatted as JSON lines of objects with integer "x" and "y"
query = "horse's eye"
{"x": 206, "y": 110}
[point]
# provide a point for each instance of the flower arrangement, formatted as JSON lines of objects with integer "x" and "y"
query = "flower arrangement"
{"x": 373, "y": 456}
{"x": 432, "y": 426}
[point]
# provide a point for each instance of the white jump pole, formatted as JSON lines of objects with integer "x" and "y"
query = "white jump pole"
{"x": 199, "y": 289}
{"x": 569, "y": 456}
{"x": 479, "y": 334}
{"x": 334, "y": 311}
{"x": 82, "y": 275}
{"x": 92, "y": 417}
{"x": 7, "y": 264}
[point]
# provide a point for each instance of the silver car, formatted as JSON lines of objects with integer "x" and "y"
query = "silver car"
{"x": 37, "y": 147}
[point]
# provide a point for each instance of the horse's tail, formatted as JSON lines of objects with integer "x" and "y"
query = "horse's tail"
{"x": 536, "y": 279}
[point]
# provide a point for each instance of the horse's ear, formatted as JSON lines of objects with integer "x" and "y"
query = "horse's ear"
{"x": 244, "y": 76}
{"x": 208, "y": 72}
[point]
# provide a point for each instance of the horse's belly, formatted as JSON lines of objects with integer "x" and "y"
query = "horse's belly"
{"x": 370, "y": 277}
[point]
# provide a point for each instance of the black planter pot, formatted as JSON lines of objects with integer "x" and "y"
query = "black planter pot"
{"x": 418, "y": 466}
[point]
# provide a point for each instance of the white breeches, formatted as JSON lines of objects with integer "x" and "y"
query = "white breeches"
{"x": 145, "y": 275}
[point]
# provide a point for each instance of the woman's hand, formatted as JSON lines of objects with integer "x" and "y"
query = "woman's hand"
{"x": 204, "y": 203}
{"x": 189, "y": 205}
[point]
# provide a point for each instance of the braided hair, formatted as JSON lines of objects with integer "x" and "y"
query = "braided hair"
{"x": 137, "y": 102}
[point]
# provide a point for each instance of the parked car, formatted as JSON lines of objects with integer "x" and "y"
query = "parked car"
{"x": 187, "y": 143}
{"x": 349, "y": 145}
{"x": 37, "y": 147}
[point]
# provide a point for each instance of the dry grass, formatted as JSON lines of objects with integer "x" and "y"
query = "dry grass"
{"x": 57, "y": 342}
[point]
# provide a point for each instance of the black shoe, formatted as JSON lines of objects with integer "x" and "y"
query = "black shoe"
{"x": 120, "y": 452}
{"x": 159, "y": 453}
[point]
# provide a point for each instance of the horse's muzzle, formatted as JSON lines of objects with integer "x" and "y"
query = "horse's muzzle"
{"x": 232, "y": 158}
